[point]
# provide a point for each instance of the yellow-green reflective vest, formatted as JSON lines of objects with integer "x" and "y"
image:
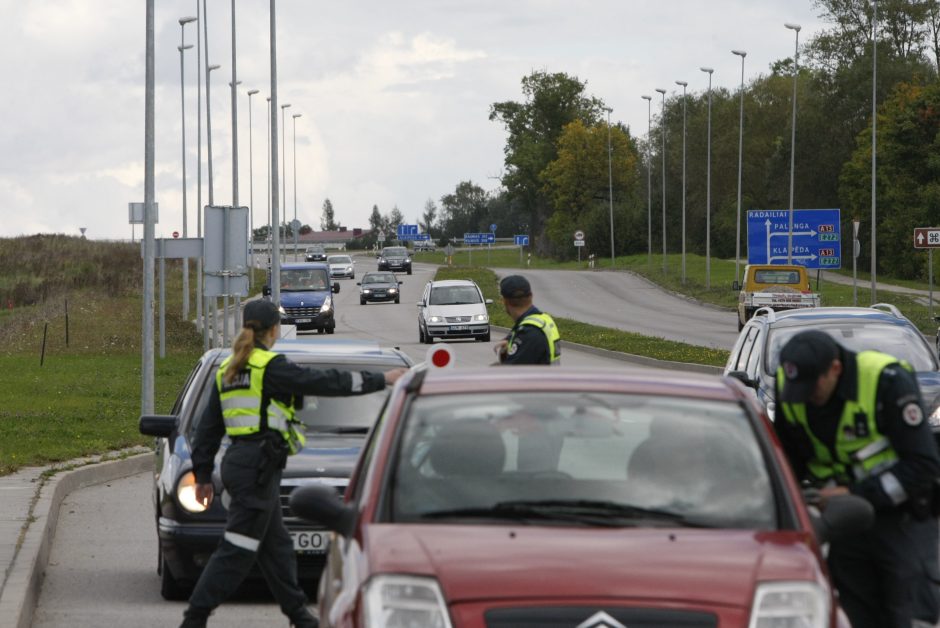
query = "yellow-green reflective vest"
{"x": 545, "y": 323}
{"x": 241, "y": 403}
{"x": 856, "y": 457}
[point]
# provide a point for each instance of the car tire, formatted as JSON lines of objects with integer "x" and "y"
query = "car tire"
{"x": 398, "y": 300}
{"x": 420, "y": 334}
{"x": 170, "y": 588}
{"x": 331, "y": 328}
{"x": 485, "y": 337}
{"x": 362, "y": 301}
{"x": 409, "y": 271}
{"x": 319, "y": 330}
{"x": 740, "y": 325}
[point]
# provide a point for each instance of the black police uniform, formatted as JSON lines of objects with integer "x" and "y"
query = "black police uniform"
{"x": 529, "y": 343}
{"x": 882, "y": 574}
{"x": 251, "y": 474}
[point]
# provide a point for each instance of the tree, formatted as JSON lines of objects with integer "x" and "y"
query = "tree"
{"x": 326, "y": 221}
{"x": 427, "y": 218}
{"x": 376, "y": 224}
{"x": 394, "y": 219}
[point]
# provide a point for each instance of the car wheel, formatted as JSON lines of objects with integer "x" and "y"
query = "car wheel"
{"x": 409, "y": 271}
{"x": 362, "y": 301}
{"x": 485, "y": 337}
{"x": 319, "y": 330}
{"x": 331, "y": 328}
{"x": 171, "y": 588}
{"x": 740, "y": 325}
{"x": 420, "y": 334}
{"x": 397, "y": 300}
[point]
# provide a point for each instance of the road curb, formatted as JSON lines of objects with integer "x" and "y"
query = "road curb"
{"x": 21, "y": 590}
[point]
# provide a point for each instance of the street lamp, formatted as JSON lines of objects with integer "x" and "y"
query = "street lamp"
{"x": 662, "y": 123}
{"x": 649, "y": 188}
{"x": 295, "y": 116}
{"x": 283, "y": 159}
{"x": 251, "y": 189}
{"x": 270, "y": 223}
{"x": 182, "y": 48}
{"x": 209, "y": 70}
{"x": 874, "y": 143}
{"x": 708, "y": 187}
{"x": 796, "y": 52}
{"x": 200, "y": 299}
{"x": 610, "y": 186}
{"x": 737, "y": 238}
{"x": 684, "y": 84}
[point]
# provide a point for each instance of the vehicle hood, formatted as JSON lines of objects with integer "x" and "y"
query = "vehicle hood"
{"x": 484, "y": 562}
{"x": 464, "y": 309}
{"x": 325, "y": 455}
{"x": 304, "y": 299}
{"x": 340, "y": 264}
{"x": 397, "y": 258}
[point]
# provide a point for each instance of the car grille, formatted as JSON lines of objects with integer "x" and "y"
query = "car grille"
{"x": 593, "y": 617}
{"x": 302, "y": 311}
{"x": 458, "y": 319}
{"x": 289, "y": 484}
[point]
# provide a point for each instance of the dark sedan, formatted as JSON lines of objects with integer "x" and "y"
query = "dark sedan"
{"x": 187, "y": 532}
{"x": 379, "y": 287}
{"x": 315, "y": 254}
{"x": 395, "y": 259}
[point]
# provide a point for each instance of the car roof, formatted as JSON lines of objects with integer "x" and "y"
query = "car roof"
{"x": 452, "y": 282}
{"x": 814, "y": 315}
{"x": 334, "y": 349}
{"x": 303, "y": 265}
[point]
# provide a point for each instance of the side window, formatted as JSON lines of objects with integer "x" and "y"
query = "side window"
{"x": 757, "y": 344}
{"x": 365, "y": 458}
{"x": 178, "y": 404}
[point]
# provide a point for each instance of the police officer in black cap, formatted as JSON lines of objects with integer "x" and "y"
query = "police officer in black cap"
{"x": 253, "y": 402}
{"x": 855, "y": 423}
{"x": 534, "y": 337}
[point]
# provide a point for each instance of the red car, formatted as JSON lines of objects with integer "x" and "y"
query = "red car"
{"x": 577, "y": 499}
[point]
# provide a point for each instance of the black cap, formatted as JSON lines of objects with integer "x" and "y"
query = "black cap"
{"x": 263, "y": 312}
{"x": 514, "y": 287}
{"x": 805, "y": 357}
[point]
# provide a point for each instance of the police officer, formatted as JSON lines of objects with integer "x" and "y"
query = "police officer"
{"x": 854, "y": 423}
{"x": 253, "y": 402}
{"x": 534, "y": 337}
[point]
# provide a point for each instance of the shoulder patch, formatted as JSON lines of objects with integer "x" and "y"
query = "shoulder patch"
{"x": 513, "y": 348}
{"x": 912, "y": 414}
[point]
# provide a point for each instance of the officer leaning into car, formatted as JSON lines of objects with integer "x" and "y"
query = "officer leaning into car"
{"x": 253, "y": 402}
{"x": 534, "y": 337}
{"x": 854, "y": 423}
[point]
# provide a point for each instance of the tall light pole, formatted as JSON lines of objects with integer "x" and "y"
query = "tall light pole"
{"x": 251, "y": 190}
{"x": 182, "y": 48}
{"x": 796, "y": 53}
{"x": 737, "y": 232}
{"x": 662, "y": 124}
{"x": 684, "y": 84}
{"x": 276, "y": 261}
{"x": 200, "y": 299}
{"x": 708, "y": 187}
{"x": 610, "y": 185}
{"x": 284, "y": 158}
{"x": 295, "y": 116}
{"x": 209, "y": 70}
{"x": 146, "y": 358}
{"x": 270, "y": 224}
{"x": 649, "y": 185}
{"x": 874, "y": 143}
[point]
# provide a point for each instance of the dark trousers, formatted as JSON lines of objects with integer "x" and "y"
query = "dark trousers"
{"x": 882, "y": 574}
{"x": 254, "y": 532}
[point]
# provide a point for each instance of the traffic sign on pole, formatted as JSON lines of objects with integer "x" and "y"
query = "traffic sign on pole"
{"x": 521, "y": 240}
{"x": 578, "y": 235}
{"x": 926, "y": 237}
{"x": 817, "y": 239}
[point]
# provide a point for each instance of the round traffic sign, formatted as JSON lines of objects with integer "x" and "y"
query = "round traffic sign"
{"x": 440, "y": 356}
{"x": 176, "y": 234}
{"x": 578, "y": 235}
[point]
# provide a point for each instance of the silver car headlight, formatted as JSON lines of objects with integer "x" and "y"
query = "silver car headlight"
{"x": 327, "y": 304}
{"x": 280, "y": 309}
{"x": 789, "y": 604}
{"x": 407, "y": 260}
{"x": 391, "y": 601}
{"x": 481, "y": 318}
{"x": 436, "y": 319}
{"x": 393, "y": 290}
{"x": 349, "y": 269}
{"x": 186, "y": 493}
{"x": 367, "y": 291}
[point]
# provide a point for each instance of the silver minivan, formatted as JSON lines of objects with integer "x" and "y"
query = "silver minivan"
{"x": 453, "y": 308}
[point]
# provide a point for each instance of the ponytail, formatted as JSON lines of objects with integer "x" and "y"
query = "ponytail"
{"x": 241, "y": 350}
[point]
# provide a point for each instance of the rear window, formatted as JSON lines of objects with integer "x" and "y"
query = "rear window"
{"x": 777, "y": 276}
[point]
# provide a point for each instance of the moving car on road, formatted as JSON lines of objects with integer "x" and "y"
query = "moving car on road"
{"x": 315, "y": 253}
{"x": 395, "y": 259}
{"x": 379, "y": 287}
{"x": 307, "y": 297}
{"x": 336, "y": 427}
{"x": 453, "y": 308}
{"x": 341, "y": 266}
{"x": 573, "y": 498}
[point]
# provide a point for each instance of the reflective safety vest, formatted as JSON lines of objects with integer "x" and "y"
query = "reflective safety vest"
{"x": 241, "y": 403}
{"x": 857, "y": 456}
{"x": 548, "y": 327}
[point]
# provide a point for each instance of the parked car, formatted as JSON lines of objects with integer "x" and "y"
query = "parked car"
{"x": 187, "y": 532}
{"x": 425, "y": 245}
{"x": 379, "y": 287}
{"x": 754, "y": 357}
{"x": 574, "y": 498}
{"x": 315, "y": 254}
{"x": 341, "y": 266}
{"x": 307, "y": 297}
{"x": 395, "y": 259}
{"x": 453, "y": 308}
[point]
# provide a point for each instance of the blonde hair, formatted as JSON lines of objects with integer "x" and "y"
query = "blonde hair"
{"x": 241, "y": 349}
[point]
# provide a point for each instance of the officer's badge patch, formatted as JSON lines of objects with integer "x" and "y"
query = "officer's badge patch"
{"x": 513, "y": 348}
{"x": 790, "y": 370}
{"x": 912, "y": 414}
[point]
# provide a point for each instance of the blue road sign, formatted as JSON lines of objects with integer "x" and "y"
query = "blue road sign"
{"x": 817, "y": 237}
{"x": 521, "y": 240}
{"x": 406, "y": 230}
{"x": 414, "y": 236}
{"x": 479, "y": 238}
{"x": 493, "y": 227}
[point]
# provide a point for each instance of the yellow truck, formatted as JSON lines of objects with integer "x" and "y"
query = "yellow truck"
{"x": 778, "y": 286}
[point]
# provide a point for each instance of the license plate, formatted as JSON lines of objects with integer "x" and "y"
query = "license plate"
{"x": 310, "y": 542}
{"x": 459, "y": 327}
{"x": 302, "y": 320}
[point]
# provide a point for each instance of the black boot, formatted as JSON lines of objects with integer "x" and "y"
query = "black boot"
{"x": 304, "y": 619}
{"x": 195, "y": 618}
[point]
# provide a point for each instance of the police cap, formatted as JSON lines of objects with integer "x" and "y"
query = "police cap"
{"x": 514, "y": 287}
{"x": 805, "y": 357}
{"x": 262, "y": 312}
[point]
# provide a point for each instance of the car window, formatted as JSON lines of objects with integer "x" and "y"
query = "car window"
{"x": 454, "y": 295}
{"x": 696, "y": 461}
{"x": 904, "y": 343}
{"x": 378, "y": 279}
{"x": 395, "y": 251}
{"x": 776, "y": 276}
{"x": 305, "y": 279}
{"x": 339, "y": 259}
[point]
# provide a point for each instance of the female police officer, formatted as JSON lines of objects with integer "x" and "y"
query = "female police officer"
{"x": 253, "y": 402}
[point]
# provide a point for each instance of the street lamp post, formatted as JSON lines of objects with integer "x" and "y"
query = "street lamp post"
{"x": 662, "y": 123}
{"x": 276, "y": 262}
{"x": 200, "y": 299}
{"x": 684, "y": 84}
{"x": 295, "y": 116}
{"x": 649, "y": 185}
{"x": 182, "y": 48}
{"x": 284, "y": 158}
{"x": 270, "y": 223}
{"x": 796, "y": 52}
{"x": 214, "y": 301}
{"x": 737, "y": 232}
{"x": 610, "y": 186}
{"x": 251, "y": 190}
{"x": 708, "y": 187}
{"x": 228, "y": 262}
{"x": 874, "y": 145}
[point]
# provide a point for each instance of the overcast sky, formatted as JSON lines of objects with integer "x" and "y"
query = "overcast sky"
{"x": 394, "y": 95}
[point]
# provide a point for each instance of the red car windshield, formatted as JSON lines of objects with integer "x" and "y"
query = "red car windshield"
{"x": 604, "y": 459}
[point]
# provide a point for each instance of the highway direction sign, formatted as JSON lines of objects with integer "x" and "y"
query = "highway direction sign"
{"x": 406, "y": 230}
{"x": 817, "y": 239}
{"x": 479, "y": 238}
{"x": 926, "y": 237}
{"x": 414, "y": 236}
{"x": 521, "y": 240}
